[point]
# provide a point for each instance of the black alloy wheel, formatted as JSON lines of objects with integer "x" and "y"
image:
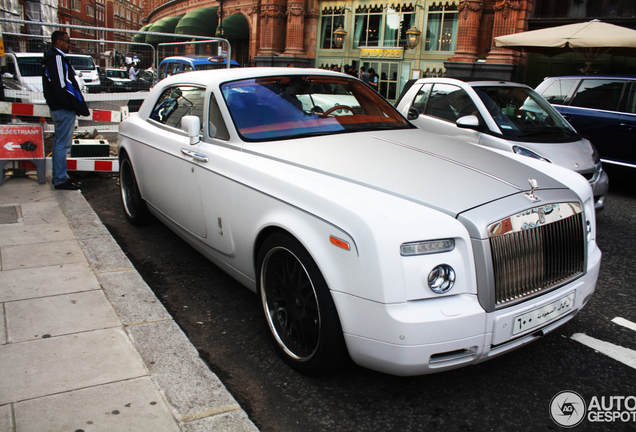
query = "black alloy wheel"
{"x": 134, "y": 206}
{"x": 298, "y": 307}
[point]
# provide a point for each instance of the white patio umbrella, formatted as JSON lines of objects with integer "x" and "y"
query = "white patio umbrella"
{"x": 590, "y": 40}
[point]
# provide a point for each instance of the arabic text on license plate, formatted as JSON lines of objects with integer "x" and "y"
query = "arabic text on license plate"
{"x": 543, "y": 315}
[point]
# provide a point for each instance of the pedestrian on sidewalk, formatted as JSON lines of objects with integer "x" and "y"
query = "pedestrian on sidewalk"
{"x": 133, "y": 72}
{"x": 364, "y": 76}
{"x": 65, "y": 101}
{"x": 373, "y": 79}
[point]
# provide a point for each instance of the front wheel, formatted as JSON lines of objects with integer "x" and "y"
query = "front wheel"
{"x": 298, "y": 307}
{"x": 134, "y": 206}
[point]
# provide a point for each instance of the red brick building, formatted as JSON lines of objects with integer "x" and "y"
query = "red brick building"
{"x": 456, "y": 35}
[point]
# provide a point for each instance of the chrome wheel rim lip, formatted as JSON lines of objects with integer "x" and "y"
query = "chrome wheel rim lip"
{"x": 292, "y": 316}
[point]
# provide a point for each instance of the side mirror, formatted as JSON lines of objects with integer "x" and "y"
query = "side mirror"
{"x": 192, "y": 126}
{"x": 413, "y": 114}
{"x": 468, "y": 122}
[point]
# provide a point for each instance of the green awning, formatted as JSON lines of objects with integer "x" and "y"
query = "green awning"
{"x": 164, "y": 25}
{"x": 199, "y": 22}
{"x": 141, "y": 38}
{"x": 234, "y": 27}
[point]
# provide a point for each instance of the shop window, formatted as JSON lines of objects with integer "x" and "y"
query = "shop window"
{"x": 382, "y": 25}
{"x": 331, "y": 20}
{"x": 398, "y": 20}
{"x": 441, "y": 31}
{"x": 366, "y": 31}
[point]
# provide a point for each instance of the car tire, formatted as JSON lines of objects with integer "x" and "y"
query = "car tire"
{"x": 134, "y": 205}
{"x": 298, "y": 308}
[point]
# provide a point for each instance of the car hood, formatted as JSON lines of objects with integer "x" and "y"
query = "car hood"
{"x": 576, "y": 155}
{"x": 436, "y": 171}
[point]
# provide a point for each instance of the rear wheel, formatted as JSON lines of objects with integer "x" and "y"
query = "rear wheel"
{"x": 134, "y": 206}
{"x": 298, "y": 307}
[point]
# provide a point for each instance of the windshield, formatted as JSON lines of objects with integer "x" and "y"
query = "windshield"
{"x": 30, "y": 66}
{"x": 523, "y": 115}
{"x": 293, "y": 106}
{"x": 81, "y": 62}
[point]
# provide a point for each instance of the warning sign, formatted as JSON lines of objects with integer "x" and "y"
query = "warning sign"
{"x": 21, "y": 142}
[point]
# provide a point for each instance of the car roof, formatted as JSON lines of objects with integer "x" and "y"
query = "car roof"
{"x": 596, "y": 76}
{"x": 207, "y": 77}
{"x": 195, "y": 60}
{"x": 473, "y": 82}
{"x": 23, "y": 54}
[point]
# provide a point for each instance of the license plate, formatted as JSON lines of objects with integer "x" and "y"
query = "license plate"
{"x": 543, "y": 315}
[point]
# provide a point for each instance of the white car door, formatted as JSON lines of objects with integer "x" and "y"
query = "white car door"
{"x": 170, "y": 162}
{"x": 440, "y": 105}
{"x": 216, "y": 170}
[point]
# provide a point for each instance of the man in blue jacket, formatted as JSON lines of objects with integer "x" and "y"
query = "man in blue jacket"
{"x": 65, "y": 101}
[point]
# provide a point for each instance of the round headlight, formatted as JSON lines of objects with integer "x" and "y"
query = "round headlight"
{"x": 441, "y": 279}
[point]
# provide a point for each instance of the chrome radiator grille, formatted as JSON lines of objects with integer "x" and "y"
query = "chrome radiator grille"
{"x": 537, "y": 250}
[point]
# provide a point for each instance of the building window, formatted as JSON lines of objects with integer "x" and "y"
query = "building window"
{"x": 90, "y": 10}
{"x": 77, "y": 5}
{"x": 331, "y": 20}
{"x": 441, "y": 31}
{"x": 398, "y": 20}
{"x": 610, "y": 8}
{"x": 379, "y": 25}
{"x": 551, "y": 9}
{"x": 366, "y": 30}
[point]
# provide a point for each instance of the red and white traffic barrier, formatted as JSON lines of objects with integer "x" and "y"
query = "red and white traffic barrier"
{"x": 110, "y": 164}
{"x": 95, "y": 165}
{"x": 15, "y": 108}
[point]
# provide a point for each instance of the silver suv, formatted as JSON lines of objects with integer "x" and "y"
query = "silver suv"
{"x": 503, "y": 115}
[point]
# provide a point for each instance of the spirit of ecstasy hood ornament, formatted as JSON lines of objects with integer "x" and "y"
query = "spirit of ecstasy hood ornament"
{"x": 533, "y": 185}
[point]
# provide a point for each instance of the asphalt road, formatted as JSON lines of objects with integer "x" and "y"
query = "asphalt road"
{"x": 509, "y": 393}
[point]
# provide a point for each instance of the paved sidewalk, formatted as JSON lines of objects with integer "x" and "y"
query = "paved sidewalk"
{"x": 84, "y": 343}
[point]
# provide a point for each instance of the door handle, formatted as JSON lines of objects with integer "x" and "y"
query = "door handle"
{"x": 196, "y": 156}
{"x": 628, "y": 126}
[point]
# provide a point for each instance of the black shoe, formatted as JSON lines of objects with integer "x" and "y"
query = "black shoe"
{"x": 67, "y": 185}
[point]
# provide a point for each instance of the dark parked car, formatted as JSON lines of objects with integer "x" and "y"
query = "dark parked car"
{"x": 117, "y": 80}
{"x": 602, "y": 109}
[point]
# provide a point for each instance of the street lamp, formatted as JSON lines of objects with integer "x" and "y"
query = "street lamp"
{"x": 412, "y": 37}
{"x": 339, "y": 36}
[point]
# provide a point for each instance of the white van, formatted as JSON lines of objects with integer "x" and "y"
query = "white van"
{"x": 23, "y": 71}
{"x": 84, "y": 66}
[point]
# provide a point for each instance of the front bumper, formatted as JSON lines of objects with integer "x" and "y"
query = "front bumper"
{"x": 600, "y": 187}
{"x": 434, "y": 335}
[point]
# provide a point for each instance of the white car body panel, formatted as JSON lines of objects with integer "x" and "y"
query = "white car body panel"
{"x": 575, "y": 155}
{"x": 318, "y": 187}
